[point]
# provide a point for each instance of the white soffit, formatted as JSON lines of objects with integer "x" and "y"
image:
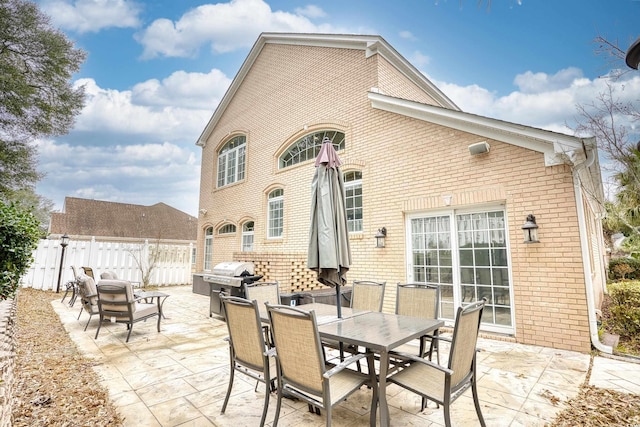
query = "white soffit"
{"x": 556, "y": 147}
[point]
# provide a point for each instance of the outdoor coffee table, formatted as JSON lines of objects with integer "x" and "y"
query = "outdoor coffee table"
{"x": 151, "y": 295}
{"x": 379, "y": 333}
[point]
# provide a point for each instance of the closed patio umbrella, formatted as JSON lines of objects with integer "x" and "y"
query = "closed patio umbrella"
{"x": 329, "y": 253}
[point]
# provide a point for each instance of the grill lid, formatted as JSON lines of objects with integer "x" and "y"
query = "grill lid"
{"x": 233, "y": 268}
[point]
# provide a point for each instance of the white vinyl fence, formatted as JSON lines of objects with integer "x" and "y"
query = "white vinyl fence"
{"x": 173, "y": 265}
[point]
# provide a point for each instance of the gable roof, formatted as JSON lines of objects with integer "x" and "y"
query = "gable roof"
{"x": 87, "y": 217}
{"x": 370, "y": 45}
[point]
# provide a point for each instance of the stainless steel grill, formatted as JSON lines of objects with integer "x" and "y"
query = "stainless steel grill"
{"x": 227, "y": 278}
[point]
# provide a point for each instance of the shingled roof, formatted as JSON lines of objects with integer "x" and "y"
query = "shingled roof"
{"x": 86, "y": 217}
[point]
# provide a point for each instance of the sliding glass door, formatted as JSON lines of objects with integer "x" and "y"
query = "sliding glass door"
{"x": 466, "y": 254}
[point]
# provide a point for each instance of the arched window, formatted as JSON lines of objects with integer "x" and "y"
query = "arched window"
{"x": 227, "y": 229}
{"x": 275, "y": 217}
{"x": 208, "y": 248}
{"x": 308, "y": 147}
{"x": 353, "y": 199}
{"x": 231, "y": 161}
{"x": 247, "y": 236}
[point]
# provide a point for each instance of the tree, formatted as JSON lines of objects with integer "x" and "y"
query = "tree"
{"x": 146, "y": 258}
{"x": 37, "y": 97}
{"x": 19, "y": 235}
{"x": 610, "y": 120}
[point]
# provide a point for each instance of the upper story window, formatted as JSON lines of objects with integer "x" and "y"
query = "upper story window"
{"x": 353, "y": 200}
{"x": 247, "y": 236}
{"x": 208, "y": 248}
{"x": 308, "y": 147}
{"x": 231, "y": 161}
{"x": 227, "y": 229}
{"x": 275, "y": 218}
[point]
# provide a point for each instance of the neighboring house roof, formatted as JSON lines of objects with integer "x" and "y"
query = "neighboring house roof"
{"x": 86, "y": 217}
{"x": 370, "y": 45}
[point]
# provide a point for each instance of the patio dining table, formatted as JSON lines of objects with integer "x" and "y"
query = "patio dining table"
{"x": 379, "y": 333}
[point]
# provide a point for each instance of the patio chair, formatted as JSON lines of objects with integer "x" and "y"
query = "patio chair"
{"x": 302, "y": 370}
{"x": 420, "y": 300}
{"x": 71, "y": 286}
{"x": 88, "y": 271}
{"x": 263, "y": 292}
{"x": 88, "y": 296}
{"x": 445, "y": 385}
{"x": 116, "y": 301}
{"x": 367, "y": 295}
{"x": 248, "y": 352}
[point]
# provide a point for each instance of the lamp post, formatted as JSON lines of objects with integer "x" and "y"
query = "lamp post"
{"x": 64, "y": 241}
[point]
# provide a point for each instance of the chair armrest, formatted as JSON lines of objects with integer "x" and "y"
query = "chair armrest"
{"x": 427, "y": 362}
{"x": 340, "y": 367}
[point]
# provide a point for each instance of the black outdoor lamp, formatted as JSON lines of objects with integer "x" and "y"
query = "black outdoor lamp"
{"x": 380, "y": 235}
{"x": 530, "y": 230}
{"x": 64, "y": 241}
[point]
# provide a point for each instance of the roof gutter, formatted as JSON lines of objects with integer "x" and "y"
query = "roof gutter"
{"x": 591, "y": 153}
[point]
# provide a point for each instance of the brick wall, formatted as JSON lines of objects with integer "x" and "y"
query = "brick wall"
{"x": 407, "y": 166}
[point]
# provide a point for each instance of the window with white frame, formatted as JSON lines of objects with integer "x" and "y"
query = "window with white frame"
{"x": 247, "y": 236}
{"x": 308, "y": 147}
{"x": 353, "y": 200}
{"x": 275, "y": 218}
{"x": 208, "y": 248}
{"x": 231, "y": 161}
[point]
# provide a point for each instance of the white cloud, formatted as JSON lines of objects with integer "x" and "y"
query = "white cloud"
{"x": 224, "y": 26}
{"x": 162, "y": 110}
{"x": 407, "y": 35}
{"x": 92, "y": 15}
{"x": 419, "y": 59}
{"x": 311, "y": 11}
{"x": 182, "y": 89}
{"x": 544, "y": 101}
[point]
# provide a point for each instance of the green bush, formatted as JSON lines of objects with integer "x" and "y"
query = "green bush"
{"x": 624, "y": 268}
{"x": 19, "y": 235}
{"x": 625, "y": 309}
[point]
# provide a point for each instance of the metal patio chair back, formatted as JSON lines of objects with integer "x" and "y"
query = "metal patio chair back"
{"x": 423, "y": 301}
{"x": 88, "y": 297}
{"x": 248, "y": 352}
{"x": 445, "y": 385}
{"x": 367, "y": 295}
{"x": 302, "y": 371}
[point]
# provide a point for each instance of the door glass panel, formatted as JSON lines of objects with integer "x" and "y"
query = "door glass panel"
{"x": 481, "y": 263}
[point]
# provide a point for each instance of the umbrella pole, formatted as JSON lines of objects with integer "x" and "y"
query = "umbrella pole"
{"x": 339, "y": 301}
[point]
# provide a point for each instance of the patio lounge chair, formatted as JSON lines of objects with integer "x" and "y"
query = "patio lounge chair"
{"x": 72, "y": 286}
{"x": 248, "y": 352}
{"x": 302, "y": 370}
{"x": 116, "y": 301}
{"x": 445, "y": 385}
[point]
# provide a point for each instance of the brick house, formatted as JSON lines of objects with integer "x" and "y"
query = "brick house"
{"x": 452, "y": 189}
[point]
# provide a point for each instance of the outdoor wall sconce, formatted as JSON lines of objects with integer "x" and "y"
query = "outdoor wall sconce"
{"x": 530, "y": 230}
{"x": 64, "y": 241}
{"x": 380, "y": 236}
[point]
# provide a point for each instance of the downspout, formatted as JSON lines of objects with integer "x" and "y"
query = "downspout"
{"x": 584, "y": 244}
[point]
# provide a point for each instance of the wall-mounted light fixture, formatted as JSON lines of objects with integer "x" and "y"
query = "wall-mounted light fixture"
{"x": 479, "y": 148}
{"x": 203, "y": 211}
{"x": 380, "y": 236}
{"x": 530, "y": 230}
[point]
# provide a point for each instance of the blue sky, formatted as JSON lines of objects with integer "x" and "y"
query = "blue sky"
{"x": 156, "y": 71}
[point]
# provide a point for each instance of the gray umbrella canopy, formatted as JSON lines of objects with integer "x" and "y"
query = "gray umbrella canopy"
{"x": 329, "y": 252}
